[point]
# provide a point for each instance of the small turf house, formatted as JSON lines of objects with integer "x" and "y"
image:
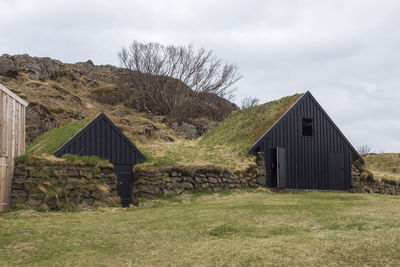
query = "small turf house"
{"x": 304, "y": 149}
{"x": 102, "y": 138}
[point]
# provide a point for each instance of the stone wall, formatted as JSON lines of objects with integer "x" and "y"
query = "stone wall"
{"x": 61, "y": 184}
{"x": 363, "y": 181}
{"x": 158, "y": 181}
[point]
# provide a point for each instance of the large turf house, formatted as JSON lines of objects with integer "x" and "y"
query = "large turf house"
{"x": 303, "y": 148}
{"x": 102, "y": 138}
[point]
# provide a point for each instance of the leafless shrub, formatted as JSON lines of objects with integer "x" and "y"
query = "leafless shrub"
{"x": 168, "y": 75}
{"x": 249, "y": 102}
{"x": 364, "y": 149}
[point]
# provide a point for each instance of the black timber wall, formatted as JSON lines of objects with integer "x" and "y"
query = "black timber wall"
{"x": 103, "y": 139}
{"x": 307, "y": 156}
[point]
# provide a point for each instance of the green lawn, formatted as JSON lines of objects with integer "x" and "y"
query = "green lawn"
{"x": 242, "y": 228}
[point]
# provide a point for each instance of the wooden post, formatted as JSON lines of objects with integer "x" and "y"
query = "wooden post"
{"x": 11, "y": 149}
{"x": 4, "y": 205}
{"x": 3, "y": 157}
{"x": 1, "y": 123}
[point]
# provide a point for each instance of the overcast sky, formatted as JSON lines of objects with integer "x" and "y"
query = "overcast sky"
{"x": 347, "y": 53}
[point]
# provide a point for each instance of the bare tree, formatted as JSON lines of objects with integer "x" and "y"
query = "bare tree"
{"x": 364, "y": 149}
{"x": 249, "y": 101}
{"x": 163, "y": 74}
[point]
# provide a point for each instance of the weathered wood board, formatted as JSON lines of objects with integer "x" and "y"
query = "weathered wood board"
{"x": 12, "y": 137}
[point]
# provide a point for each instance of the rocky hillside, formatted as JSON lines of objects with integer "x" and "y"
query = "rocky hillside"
{"x": 59, "y": 93}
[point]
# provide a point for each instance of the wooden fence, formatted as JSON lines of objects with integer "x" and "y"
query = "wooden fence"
{"x": 12, "y": 137}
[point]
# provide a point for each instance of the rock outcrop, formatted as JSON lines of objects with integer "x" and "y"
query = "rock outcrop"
{"x": 61, "y": 93}
{"x": 8, "y": 68}
{"x": 38, "y": 121}
{"x": 45, "y": 68}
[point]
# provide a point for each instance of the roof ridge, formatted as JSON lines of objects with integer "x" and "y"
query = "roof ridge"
{"x": 280, "y": 118}
{"x": 13, "y": 95}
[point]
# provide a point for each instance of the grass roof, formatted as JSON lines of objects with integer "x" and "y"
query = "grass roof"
{"x": 53, "y": 139}
{"x": 226, "y": 145}
{"x": 384, "y": 166}
{"x": 244, "y": 127}
{"x": 382, "y": 162}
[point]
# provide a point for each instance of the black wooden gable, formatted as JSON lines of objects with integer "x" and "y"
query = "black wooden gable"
{"x": 103, "y": 139}
{"x": 304, "y": 149}
{"x": 307, "y": 97}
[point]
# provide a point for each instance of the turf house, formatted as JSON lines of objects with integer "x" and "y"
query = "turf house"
{"x": 103, "y": 139}
{"x": 304, "y": 149}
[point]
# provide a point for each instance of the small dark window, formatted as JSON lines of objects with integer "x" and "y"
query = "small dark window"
{"x": 307, "y": 127}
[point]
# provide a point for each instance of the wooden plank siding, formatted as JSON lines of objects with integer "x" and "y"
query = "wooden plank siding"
{"x": 12, "y": 137}
{"x": 103, "y": 139}
{"x": 307, "y": 157}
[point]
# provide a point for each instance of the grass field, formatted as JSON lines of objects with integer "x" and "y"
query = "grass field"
{"x": 240, "y": 228}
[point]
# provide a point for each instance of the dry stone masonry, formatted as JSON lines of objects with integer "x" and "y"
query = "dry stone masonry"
{"x": 60, "y": 184}
{"x": 363, "y": 181}
{"x": 49, "y": 184}
{"x": 158, "y": 181}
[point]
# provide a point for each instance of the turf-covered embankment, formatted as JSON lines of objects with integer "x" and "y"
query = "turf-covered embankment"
{"x": 244, "y": 127}
{"x": 383, "y": 165}
{"x": 379, "y": 174}
{"x": 53, "y": 139}
{"x": 225, "y": 145}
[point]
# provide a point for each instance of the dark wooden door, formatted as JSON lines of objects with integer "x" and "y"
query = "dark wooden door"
{"x": 124, "y": 176}
{"x": 273, "y": 174}
{"x": 336, "y": 171}
{"x": 281, "y": 168}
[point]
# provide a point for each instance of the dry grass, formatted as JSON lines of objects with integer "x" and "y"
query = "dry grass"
{"x": 189, "y": 152}
{"x": 158, "y": 153}
{"x": 248, "y": 228}
{"x": 65, "y": 107}
{"x": 53, "y": 139}
{"x": 384, "y": 166}
{"x": 244, "y": 127}
{"x": 226, "y": 145}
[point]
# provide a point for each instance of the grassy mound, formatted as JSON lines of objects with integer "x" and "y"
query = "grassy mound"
{"x": 226, "y": 145}
{"x": 50, "y": 141}
{"x": 383, "y": 162}
{"x": 383, "y": 165}
{"x": 47, "y": 144}
{"x": 244, "y": 127}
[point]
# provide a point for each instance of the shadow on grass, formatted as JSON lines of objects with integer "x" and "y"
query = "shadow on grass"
{"x": 223, "y": 230}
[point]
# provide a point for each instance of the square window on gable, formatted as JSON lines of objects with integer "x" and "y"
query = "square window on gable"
{"x": 307, "y": 126}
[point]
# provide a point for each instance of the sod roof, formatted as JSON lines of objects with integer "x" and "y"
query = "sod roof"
{"x": 227, "y": 144}
{"x": 51, "y": 140}
{"x": 383, "y": 162}
{"x": 244, "y": 127}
